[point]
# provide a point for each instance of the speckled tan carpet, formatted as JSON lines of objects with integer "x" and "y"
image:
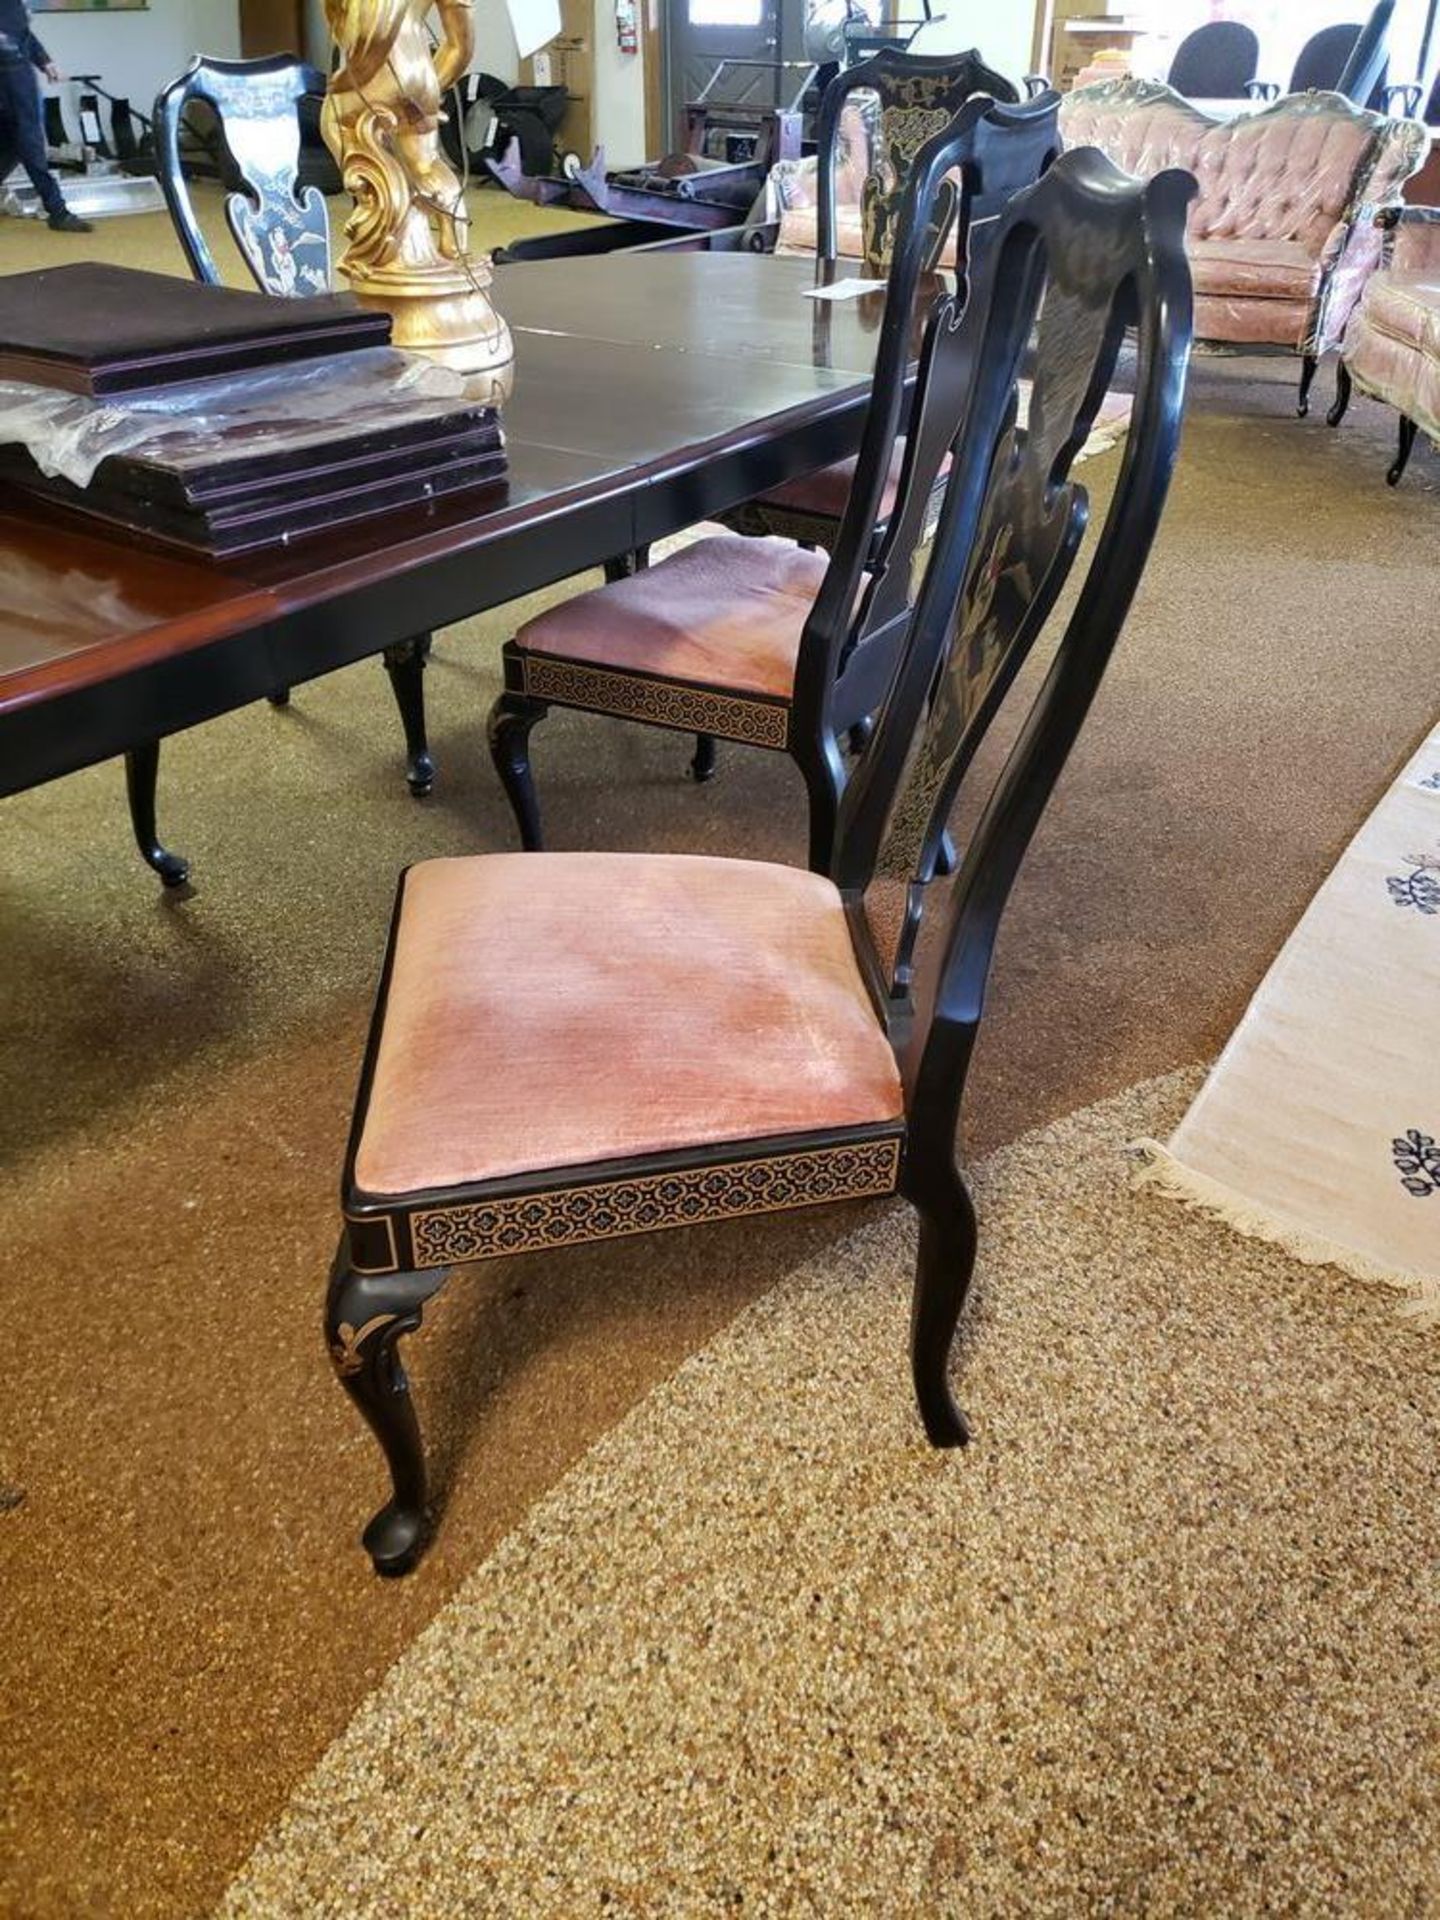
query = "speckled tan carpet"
{"x": 1162, "y": 1641}
{"x": 185, "y": 1617}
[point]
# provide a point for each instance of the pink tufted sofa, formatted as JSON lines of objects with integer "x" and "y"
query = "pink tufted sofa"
{"x": 1282, "y": 236}
{"x": 1392, "y": 345}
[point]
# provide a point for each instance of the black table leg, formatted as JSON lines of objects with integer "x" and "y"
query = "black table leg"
{"x": 142, "y": 768}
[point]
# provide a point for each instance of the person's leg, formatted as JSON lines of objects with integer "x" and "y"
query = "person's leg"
{"x": 9, "y": 147}
{"x": 21, "y": 108}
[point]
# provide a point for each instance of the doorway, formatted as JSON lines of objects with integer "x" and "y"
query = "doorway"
{"x": 763, "y": 40}
{"x": 271, "y": 26}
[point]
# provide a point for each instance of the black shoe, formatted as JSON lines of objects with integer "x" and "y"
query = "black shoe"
{"x": 67, "y": 222}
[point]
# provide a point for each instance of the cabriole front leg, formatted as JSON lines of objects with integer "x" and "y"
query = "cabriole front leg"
{"x": 1343, "y": 388}
{"x": 508, "y": 729}
{"x": 142, "y": 773}
{"x": 1402, "y": 451}
{"x": 405, "y": 664}
{"x": 365, "y": 1315}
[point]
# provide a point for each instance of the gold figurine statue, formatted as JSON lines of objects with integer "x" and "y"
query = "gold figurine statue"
{"x": 407, "y": 236}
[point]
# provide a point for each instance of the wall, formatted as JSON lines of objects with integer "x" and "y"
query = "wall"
{"x": 619, "y": 107}
{"x": 136, "y": 54}
{"x": 1003, "y": 30}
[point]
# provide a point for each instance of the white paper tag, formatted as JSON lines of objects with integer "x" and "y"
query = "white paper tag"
{"x": 844, "y": 289}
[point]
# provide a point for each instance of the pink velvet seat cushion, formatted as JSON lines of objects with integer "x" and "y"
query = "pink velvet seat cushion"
{"x": 724, "y": 612}
{"x": 1270, "y": 269}
{"x": 556, "y": 1009}
{"x": 826, "y": 491}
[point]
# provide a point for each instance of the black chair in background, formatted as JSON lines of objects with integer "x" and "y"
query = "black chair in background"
{"x": 903, "y": 99}
{"x": 283, "y": 236}
{"x": 571, "y": 1047}
{"x": 750, "y": 639}
{"x": 1350, "y": 59}
{"x": 1215, "y": 62}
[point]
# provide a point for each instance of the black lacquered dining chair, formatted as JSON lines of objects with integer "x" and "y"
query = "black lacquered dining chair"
{"x": 892, "y": 104}
{"x": 749, "y": 639}
{"x": 571, "y": 1047}
{"x": 283, "y": 236}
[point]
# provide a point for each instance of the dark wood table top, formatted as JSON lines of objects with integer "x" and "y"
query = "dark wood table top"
{"x": 649, "y": 390}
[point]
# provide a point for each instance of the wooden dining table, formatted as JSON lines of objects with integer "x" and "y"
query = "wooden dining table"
{"x": 650, "y": 391}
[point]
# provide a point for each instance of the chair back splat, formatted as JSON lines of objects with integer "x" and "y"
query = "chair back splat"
{"x": 1080, "y": 257}
{"x": 904, "y": 100}
{"x": 961, "y": 180}
{"x": 281, "y": 231}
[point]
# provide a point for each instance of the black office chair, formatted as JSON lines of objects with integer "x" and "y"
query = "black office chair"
{"x": 1350, "y": 59}
{"x": 1215, "y": 62}
{"x": 1364, "y": 74}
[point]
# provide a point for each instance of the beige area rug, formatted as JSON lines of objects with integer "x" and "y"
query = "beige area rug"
{"x": 1161, "y": 1640}
{"x": 1320, "y": 1125}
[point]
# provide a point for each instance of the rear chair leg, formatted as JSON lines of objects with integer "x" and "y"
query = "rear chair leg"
{"x": 623, "y": 566}
{"x": 365, "y": 1315}
{"x": 1307, "y": 374}
{"x": 405, "y": 664}
{"x": 943, "y": 1268}
{"x": 1343, "y": 388}
{"x": 702, "y": 767}
{"x": 1402, "y": 455}
{"x": 511, "y": 718}
{"x": 142, "y": 772}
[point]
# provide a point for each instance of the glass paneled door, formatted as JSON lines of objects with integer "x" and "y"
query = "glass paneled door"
{"x": 703, "y": 34}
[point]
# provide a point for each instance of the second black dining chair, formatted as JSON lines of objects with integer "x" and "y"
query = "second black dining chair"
{"x": 891, "y": 104}
{"x": 282, "y": 232}
{"x": 749, "y": 639}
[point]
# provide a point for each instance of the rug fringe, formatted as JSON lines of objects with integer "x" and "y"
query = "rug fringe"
{"x": 1153, "y": 1165}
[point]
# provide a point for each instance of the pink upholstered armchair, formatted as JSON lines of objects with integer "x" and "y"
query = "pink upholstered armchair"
{"x": 1392, "y": 345}
{"x": 1282, "y": 237}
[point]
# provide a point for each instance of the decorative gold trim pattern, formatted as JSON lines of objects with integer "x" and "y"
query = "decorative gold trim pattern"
{"x": 661, "y": 703}
{"x": 756, "y": 519}
{"x": 345, "y": 1355}
{"x": 367, "y": 1226}
{"x": 566, "y": 1216}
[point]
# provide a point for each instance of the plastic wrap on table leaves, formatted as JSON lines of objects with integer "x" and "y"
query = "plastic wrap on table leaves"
{"x": 68, "y": 435}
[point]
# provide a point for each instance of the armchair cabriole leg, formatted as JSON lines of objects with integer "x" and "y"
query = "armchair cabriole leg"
{"x": 142, "y": 772}
{"x": 405, "y": 664}
{"x": 511, "y": 718}
{"x": 944, "y": 1264}
{"x": 1402, "y": 453}
{"x": 1343, "y": 388}
{"x": 365, "y": 1315}
{"x": 1307, "y": 374}
{"x": 702, "y": 767}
